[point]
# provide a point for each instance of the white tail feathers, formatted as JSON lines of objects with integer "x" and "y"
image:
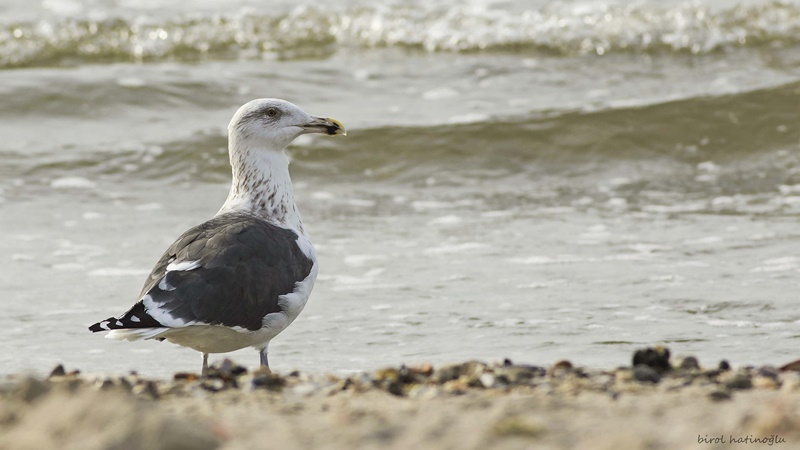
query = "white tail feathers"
{"x": 134, "y": 334}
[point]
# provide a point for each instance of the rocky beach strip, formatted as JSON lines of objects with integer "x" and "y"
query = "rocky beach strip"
{"x": 654, "y": 402}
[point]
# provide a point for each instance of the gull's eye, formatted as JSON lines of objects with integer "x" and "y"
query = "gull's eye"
{"x": 272, "y": 113}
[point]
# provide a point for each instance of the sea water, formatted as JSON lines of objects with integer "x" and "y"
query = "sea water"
{"x": 535, "y": 180}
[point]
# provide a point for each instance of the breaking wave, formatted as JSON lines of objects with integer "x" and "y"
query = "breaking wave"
{"x": 738, "y": 144}
{"x": 317, "y": 32}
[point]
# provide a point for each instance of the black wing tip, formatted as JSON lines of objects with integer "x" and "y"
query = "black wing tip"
{"x": 103, "y": 325}
{"x": 112, "y": 323}
{"x": 137, "y": 317}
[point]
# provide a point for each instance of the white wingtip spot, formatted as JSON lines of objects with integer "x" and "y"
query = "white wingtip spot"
{"x": 183, "y": 265}
{"x": 104, "y": 325}
{"x": 119, "y": 323}
{"x": 135, "y": 319}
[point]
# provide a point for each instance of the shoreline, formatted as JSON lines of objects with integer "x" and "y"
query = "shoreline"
{"x": 654, "y": 402}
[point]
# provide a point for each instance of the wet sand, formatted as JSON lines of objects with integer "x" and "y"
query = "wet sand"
{"x": 653, "y": 402}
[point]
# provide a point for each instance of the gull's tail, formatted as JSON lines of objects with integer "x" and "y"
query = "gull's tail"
{"x": 133, "y": 325}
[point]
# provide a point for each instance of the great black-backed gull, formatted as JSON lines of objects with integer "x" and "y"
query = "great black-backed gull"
{"x": 242, "y": 277}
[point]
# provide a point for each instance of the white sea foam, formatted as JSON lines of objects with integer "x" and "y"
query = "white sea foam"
{"x": 72, "y": 183}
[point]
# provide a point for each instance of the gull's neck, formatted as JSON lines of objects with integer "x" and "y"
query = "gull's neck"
{"x": 261, "y": 185}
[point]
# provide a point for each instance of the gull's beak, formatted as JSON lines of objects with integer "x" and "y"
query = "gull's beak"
{"x": 328, "y": 126}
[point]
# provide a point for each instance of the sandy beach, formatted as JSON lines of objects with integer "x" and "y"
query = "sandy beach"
{"x": 658, "y": 403}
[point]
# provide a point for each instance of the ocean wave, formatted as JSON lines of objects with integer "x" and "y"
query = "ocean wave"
{"x": 317, "y": 31}
{"x": 722, "y": 148}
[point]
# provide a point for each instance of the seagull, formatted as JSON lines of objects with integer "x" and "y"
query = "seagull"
{"x": 242, "y": 277}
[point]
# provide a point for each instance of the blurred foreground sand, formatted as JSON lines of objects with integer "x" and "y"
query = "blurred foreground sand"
{"x": 652, "y": 405}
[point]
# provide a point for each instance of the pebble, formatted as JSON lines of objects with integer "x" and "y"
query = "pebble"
{"x": 226, "y": 370}
{"x": 212, "y": 385}
{"x": 651, "y": 366}
{"x": 689, "y": 363}
{"x": 560, "y": 368}
{"x": 187, "y": 376}
{"x": 268, "y": 380}
{"x": 147, "y": 389}
{"x": 792, "y": 366}
{"x": 519, "y": 374}
{"x": 740, "y": 380}
{"x": 656, "y": 358}
{"x": 719, "y": 396}
{"x": 455, "y": 371}
{"x": 58, "y": 371}
{"x": 769, "y": 372}
{"x": 646, "y": 374}
{"x": 761, "y": 382}
{"x": 424, "y": 370}
{"x": 487, "y": 380}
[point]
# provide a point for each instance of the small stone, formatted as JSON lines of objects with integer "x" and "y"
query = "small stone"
{"x": 724, "y": 365}
{"x": 487, "y": 380}
{"x": 411, "y": 375}
{"x": 457, "y": 387}
{"x": 424, "y": 370}
{"x": 146, "y": 389}
{"x": 126, "y": 384}
{"x": 58, "y": 371}
{"x": 388, "y": 374}
{"x": 719, "y": 396}
{"x": 268, "y": 380}
{"x": 518, "y": 374}
{"x": 689, "y": 363}
{"x": 769, "y": 372}
{"x": 761, "y": 382}
{"x": 185, "y": 376}
{"x": 455, "y": 371}
{"x": 792, "y": 366}
{"x": 563, "y": 364}
{"x": 212, "y": 385}
{"x": 656, "y": 358}
{"x": 392, "y": 380}
{"x": 359, "y": 382}
{"x": 740, "y": 381}
{"x": 646, "y": 374}
{"x": 560, "y": 368}
{"x": 225, "y": 370}
{"x": 394, "y": 388}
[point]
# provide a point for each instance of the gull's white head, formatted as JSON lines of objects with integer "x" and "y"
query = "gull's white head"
{"x": 273, "y": 124}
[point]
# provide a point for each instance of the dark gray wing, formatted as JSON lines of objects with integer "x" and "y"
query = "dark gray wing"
{"x": 227, "y": 271}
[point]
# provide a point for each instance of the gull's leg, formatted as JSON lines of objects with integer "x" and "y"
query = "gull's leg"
{"x": 205, "y": 364}
{"x": 264, "y": 362}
